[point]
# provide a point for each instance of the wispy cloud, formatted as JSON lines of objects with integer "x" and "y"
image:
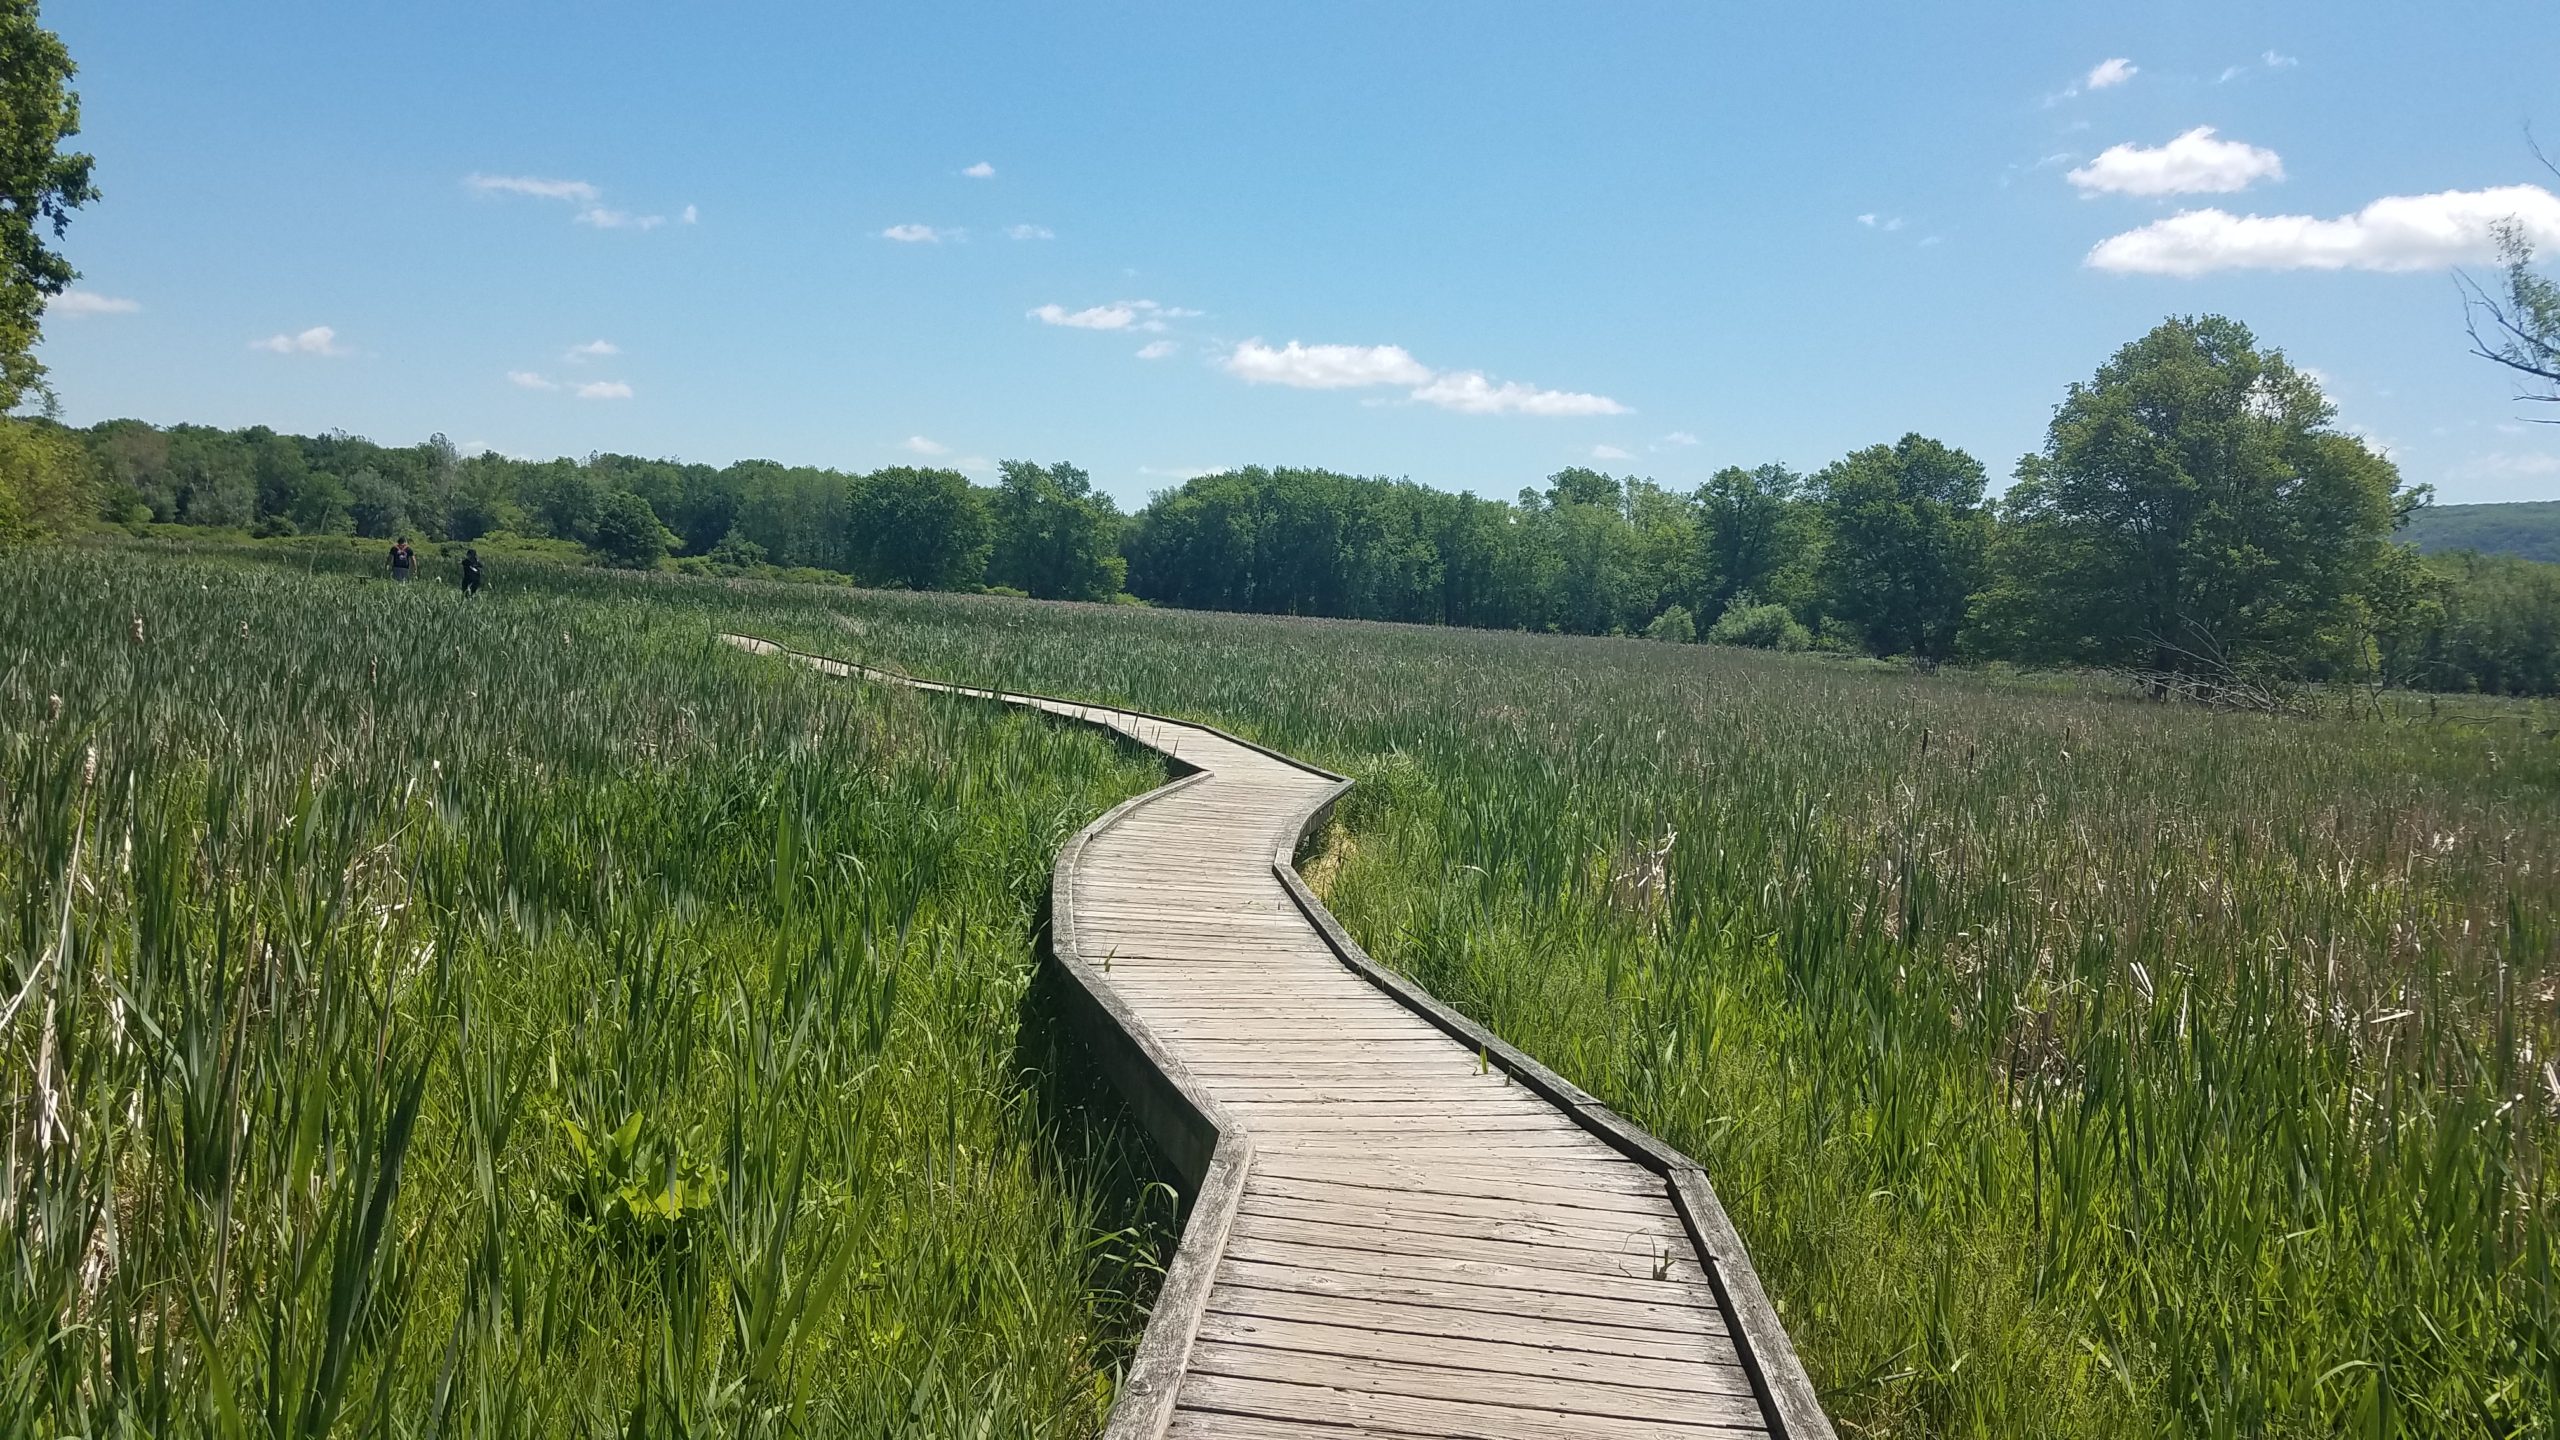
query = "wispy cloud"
{"x": 535, "y": 186}
{"x": 589, "y": 198}
{"x": 318, "y": 340}
{"x": 592, "y": 350}
{"x": 2105, "y": 75}
{"x": 1118, "y": 315}
{"x": 1610, "y": 452}
{"x": 919, "y": 445}
{"x": 1030, "y": 232}
{"x": 980, "y": 171}
{"x": 1886, "y": 223}
{"x": 1157, "y": 349}
{"x": 1098, "y": 317}
{"x": 1680, "y": 437}
{"x": 529, "y": 380}
{"x": 2270, "y": 60}
{"x": 2194, "y": 163}
{"x": 72, "y": 303}
{"x": 604, "y": 218}
{"x": 917, "y": 234}
{"x": 692, "y": 215}
{"x": 2108, "y": 74}
{"x": 604, "y": 390}
{"x": 2396, "y": 232}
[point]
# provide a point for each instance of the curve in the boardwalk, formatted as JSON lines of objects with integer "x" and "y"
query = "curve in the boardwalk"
{"x": 1398, "y": 1224}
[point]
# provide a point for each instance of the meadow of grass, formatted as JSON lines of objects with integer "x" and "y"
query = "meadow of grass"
{"x": 2074, "y": 1065}
{"x": 529, "y": 1016}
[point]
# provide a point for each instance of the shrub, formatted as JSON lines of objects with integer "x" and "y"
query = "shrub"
{"x": 1674, "y": 625}
{"x": 627, "y": 534}
{"x": 1759, "y": 626}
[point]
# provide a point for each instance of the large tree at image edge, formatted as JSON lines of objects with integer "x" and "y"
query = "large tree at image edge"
{"x": 2195, "y": 511}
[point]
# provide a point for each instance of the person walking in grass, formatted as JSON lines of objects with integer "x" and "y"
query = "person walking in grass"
{"x": 470, "y": 571}
{"x": 404, "y": 561}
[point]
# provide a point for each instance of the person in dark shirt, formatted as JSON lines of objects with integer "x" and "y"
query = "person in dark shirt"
{"x": 404, "y": 561}
{"x": 470, "y": 572}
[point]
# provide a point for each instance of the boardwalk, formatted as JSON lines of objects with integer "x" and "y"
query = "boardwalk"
{"x": 1402, "y": 1227}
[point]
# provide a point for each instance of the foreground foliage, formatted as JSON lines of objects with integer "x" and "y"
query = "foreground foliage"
{"x": 529, "y": 1017}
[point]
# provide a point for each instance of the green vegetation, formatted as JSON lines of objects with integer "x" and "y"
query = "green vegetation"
{"x": 2074, "y": 1065}
{"x": 2526, "y": 529}
{"x": 2195, "y": 516}
{"x": 529, "y": 1016}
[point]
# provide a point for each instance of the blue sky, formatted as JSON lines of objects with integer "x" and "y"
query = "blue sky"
{"x": 1465, "y": 243}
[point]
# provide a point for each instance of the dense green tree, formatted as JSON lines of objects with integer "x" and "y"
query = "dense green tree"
{"x": 48, "y": 483}
{"x": 1755, "y": 535}
{"x": 626, "y": 532}
{"x": 2194, "y": 511}
{"x": 379, "y": 508}
{"x": 40, "y": 185}
{"x": 919, "y": 529}
{"x": 1905, "y": 530}
{"x": 1054, "y": 538}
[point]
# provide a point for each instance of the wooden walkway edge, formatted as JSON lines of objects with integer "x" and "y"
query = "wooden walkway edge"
{"x": 1399, "y": 1224}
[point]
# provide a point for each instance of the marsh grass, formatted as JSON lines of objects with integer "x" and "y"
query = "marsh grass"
{"x": 2073, "y": 1064}
{"x": 528, "y": 1016}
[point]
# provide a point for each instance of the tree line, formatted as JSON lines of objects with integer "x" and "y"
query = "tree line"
{"x": 2194, "y": 513}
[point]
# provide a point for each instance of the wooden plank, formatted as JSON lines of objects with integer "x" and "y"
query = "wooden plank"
{"x": 1615, "y": 1232}
{"x": 1693, "y": 1373}
{"x": 1710, "y": 1344}
{"x": 1683, "y": 1314}
{"x": 1419, "y": 1416}
{"x": 1502, "y": 1274}
{"x": 1653, "y": 1260}
{"x": 1457, "y": 1177}
{"x": 1554, "y": 1396}
{"x": 1441, "y": 1200}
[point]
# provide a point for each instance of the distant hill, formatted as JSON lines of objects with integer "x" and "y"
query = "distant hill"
{"x": 2530, "y": 528}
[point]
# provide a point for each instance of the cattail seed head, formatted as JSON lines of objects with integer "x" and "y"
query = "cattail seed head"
{"x": 89, "y": 769}
{"x": 53, "y": 707}
{"x": 136, "y": 631}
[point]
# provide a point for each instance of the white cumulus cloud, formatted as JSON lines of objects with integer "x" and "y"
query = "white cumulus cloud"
{"x": 1097, "y": 317}
{"x": 1679, "y": 437}
{"x": 318, "y": 340}
{"x": 604, "y": 390}
{"x": 1325, "y": 367}
{"x": 1610, "y": 452}
{"x": 2195, "y": 163}
{"x": 535, "y": 186}
{"x": 919, "y": 445}
{"x": 592, "y": 350}
{"x": 980, "y": 171}
{"x": 2396, "y": 232}
{"x": 1157, "y": 349}
{"x": 692, "y": 215}
{"x": 90, "y": 302}
{"x": 528, "y": 380}
{"x": 1346, "y": 367}
{"x": 1469, "y": 392}
{"x": 915, "y": 234}
{"x": 2107, "y": 74}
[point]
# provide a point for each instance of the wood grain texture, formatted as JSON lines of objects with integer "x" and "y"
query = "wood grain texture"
{"x": 1399, "y": 1225}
